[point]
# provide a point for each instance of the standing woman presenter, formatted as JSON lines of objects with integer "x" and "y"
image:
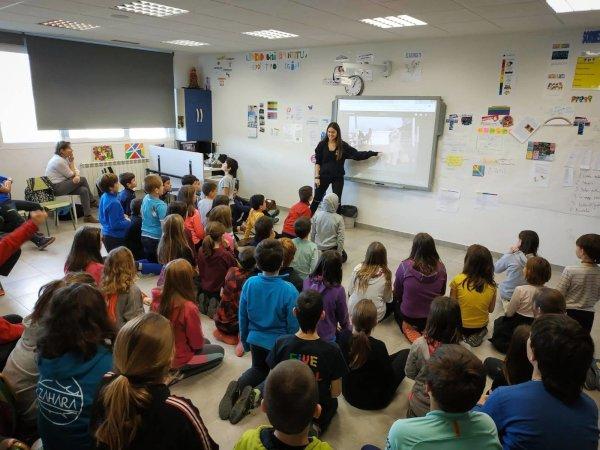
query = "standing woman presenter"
{"x": 330, "y": 156}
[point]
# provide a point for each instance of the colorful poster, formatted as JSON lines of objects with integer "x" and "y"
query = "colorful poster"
{"x": 102, "y": 153}
{"x": 252, "y": 121}
{"x": 272, "y": 107}
{"x": 555, "y": 84}
{"x": 134, "y": 151}
{"x": 508, "y": 65}
{"x": 412, "y": 68}
{"x": 276, "y": 60}
{"x": 261, "y": 117}
{"x": 540, "y": 151}
{"x": 587, "y": 73}
{"x": 560, "y": 54}
{"x": 478, "y": 170}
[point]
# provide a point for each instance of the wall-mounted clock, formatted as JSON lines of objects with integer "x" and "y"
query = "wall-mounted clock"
{"x": 356, "y": 85}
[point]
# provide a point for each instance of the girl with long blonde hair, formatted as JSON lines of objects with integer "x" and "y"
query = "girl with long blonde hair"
{"x": 193, "y": 353}
{"x": 134, "y": 408}
{"x": 372, "y": 279}
{"x": 124, "y": 300}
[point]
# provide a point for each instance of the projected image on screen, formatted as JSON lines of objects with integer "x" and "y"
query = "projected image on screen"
{"x": 403, "y": 130}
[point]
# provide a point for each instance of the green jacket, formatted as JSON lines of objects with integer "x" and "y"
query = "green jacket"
{"x": 250, "y": 440}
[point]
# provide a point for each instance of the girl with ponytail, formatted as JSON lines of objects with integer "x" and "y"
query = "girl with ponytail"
{"x": 374, "y": 374}
{"x": 193, "y": 353}
{"x": 134, "y": 408}
{"x": 214, "y": 260}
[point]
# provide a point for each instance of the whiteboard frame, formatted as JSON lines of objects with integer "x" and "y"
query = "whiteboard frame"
{"x": 438, "y": 130}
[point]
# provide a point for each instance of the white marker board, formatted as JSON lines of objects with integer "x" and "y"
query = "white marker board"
{"x": 404, "y": 129}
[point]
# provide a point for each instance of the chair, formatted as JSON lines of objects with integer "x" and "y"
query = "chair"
{"x": 39, "y": 189}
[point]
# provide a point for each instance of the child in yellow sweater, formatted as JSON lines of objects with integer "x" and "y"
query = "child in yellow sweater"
{"x": 259, "y": 205}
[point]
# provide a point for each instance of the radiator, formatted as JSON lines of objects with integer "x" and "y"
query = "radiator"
{"x": 93, "y": 170}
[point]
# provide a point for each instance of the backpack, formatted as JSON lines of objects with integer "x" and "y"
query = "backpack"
{"x": 39, "y": 190}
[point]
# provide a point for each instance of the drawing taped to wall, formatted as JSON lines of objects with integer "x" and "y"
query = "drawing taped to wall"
{"x": 102, "y": 153}
{"x": 540, "y": 151}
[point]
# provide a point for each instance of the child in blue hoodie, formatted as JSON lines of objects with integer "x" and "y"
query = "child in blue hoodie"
{"x": 154, "y": 210}
{"x": 266, "y": 312}
{"x": 73, "y": 358}
{"x": 111, "y": 214}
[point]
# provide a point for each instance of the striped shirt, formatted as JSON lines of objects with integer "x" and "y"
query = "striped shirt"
{"x": 581, "y": 286}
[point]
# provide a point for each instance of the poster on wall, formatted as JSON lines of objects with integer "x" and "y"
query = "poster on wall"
{"x": 540, "y": 151}
{"x": 555, "y": 84}
{"x": 134, "y": 151}
{"x": 261, "y": 117}
{"x": 560, "y": 54}
{"x": 272, "y": 107}
{"x": 223, "y": 68}
{"x": 276, "y": 60}
{"x": 252, "y": 121}
{"x": 412, "y": 67}
{"x": 587, "y": 73}
{"x": 102, "y": 153}
{"x": 508, "y": 73}
{"x": 525, "y": 128}
{"x": 292, "y": 132}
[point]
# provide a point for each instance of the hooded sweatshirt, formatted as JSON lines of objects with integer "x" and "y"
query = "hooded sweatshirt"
{"x": 327, "y": 225}
{"x": 334, "y": 305}
{"x": 415, "y": 291}
{"x": 513, "y": 264}
{"x": 65, "y": 393}
{"x": 254, "y": 440}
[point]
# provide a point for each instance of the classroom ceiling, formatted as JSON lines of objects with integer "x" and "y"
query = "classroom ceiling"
{"x": 221, "y": 23}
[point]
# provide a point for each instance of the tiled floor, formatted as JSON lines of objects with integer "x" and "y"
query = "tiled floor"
{"x": 350, "y": 428}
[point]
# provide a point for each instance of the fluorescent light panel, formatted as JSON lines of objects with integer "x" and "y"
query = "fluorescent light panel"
{"x": 270, "y": 34}
{"x": 185, "y": 42}
{"x": 151, "y": 9}
{"x": 71, "y": 25}
{"x": 567, "y": 6}
{"x": 394, "y": 21}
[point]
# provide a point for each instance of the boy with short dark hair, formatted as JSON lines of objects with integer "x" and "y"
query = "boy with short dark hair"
{"x": 205, "y": 204}
{"x": 258, "y": 205}
{"x": 548, "y": 301}
{"x": 110, "y": 213}
{"x": 133, "y": 237}
{"x": 290, "y": 383}
{"x": 154, "y": 210}
{"x": 455, "y": 381}
{"x": 166, "y": 183}
{"x": 266, "y": 312}
{"x": 129, "y": 183}
{"x": 307, "y": 253}
{"x": 300, "y": 209}
{"x": 191, "y": 180}
{"x": 324, "y": 358}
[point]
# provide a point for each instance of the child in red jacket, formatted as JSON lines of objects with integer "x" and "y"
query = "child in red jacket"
{"x": 300, "y": 209}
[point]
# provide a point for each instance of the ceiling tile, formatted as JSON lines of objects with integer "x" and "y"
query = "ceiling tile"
{"x": 459, "y": 28}
{"x": 524, "y": 9}
{"x": 419, "y": 6}
{"x": 489, "y": 3}
{"x": 458, "y": 15}
{"x": 542, "y": 22}
{"x": 580, "y": 19}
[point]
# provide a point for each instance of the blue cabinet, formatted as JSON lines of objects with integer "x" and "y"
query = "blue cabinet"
{"x": 194, "y": 115}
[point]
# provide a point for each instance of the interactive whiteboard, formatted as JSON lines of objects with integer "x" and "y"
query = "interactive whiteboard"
{"x": 404, "y": 129}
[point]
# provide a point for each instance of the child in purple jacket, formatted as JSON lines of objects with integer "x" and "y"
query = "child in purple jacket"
{"x": 326, "y": 279}
{"x": 419, "y": 279}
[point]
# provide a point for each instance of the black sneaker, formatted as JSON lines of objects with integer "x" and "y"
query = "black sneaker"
{"x": 42, "y": 242}
{"x": 230, "y": 397}
{"x": 247, "y": 401}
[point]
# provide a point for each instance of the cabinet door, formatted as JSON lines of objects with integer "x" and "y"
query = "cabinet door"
{"x": 198, "y": 116}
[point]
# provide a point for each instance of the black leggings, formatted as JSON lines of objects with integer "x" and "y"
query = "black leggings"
{"x": 337, "y": 186}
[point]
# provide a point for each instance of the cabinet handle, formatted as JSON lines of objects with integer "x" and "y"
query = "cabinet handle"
{"x": 197, "y": 115}
{"x": 201, "y": 115}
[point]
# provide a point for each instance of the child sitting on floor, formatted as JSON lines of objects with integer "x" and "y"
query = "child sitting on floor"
{"x": 129, "y": 183}
{"x": 209, "y": 192}
{"x": 328, "y": 229}
{"x": 85, "y": 253}
{"x": 111, "y": 214}
{"x": 258, "y": 204}
{"x": 289, "y": 250}
{"x": 300, "y": 209}
{"x": 192, "y": 221}
{"x": 290, "y": 383}
{"x": 307, "y": 253}
{"x": 154, "y": 210}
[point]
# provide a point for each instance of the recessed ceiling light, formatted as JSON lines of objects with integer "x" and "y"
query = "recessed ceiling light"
{"x": 61, "y": 23}
{"x": 151, "y": 9}
{"x": 567, "y": 6}
{"x": 394, "y": 21}
{"x": 185, "y": 42}
{"x": 270, "y": 34}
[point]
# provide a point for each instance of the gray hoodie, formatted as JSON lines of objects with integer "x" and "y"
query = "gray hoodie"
{"x": 327, "y": 225}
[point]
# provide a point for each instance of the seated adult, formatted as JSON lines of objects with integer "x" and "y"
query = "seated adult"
{"x": 66, "y": 180}
{"x": 11, "y": 219}
{"x": 455, "y": 381}
{"x": 550, "y": 412}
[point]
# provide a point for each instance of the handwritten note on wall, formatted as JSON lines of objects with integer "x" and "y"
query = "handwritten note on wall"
{"x": 586, "y": 199}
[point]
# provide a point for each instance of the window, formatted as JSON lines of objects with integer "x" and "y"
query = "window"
{"x": 17, "y": 111}
{"x": 148, "y": 133}
{"x": 106, "y": 133}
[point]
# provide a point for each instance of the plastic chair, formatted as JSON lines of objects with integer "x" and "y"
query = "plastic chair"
{"x": 39, "y": 189}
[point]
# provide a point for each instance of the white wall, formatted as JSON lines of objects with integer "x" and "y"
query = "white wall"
{"x": 464, "y": 71}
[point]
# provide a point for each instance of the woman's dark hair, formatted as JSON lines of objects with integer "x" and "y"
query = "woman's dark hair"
{"x": 256, "y": 201}
{"x": 220, "y": 200}
{"x": 77, "y": 322}
{"x": 60, "y": 146}
{"x": 424, "y": 254}
{"x": 537, "y": 271}
{"x": 530, "y": 241}
{"x": 517, "y": 368}
{"x": 84, "y": 250}
{"x": 479, "y": 268}
{"x": 590, "y": 244}
{"x": 339, "y": 150}
{"x": 364, "y": 319}
{"x": 232, "y": 164}
{"x": 444, "y": 321}
{"x": 263, "y": 228}
{"x": 564, "y": 351}
{"x": 329, "y": 268}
